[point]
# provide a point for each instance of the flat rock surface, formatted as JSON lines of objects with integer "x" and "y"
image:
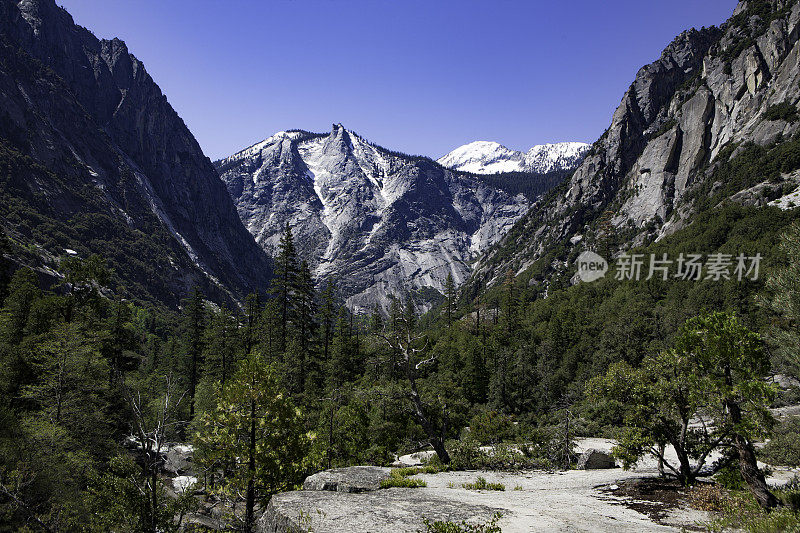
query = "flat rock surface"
{"x": 395, "y": 510}
{"x": 348, "y": 479}
{"x": 533, "y": 501}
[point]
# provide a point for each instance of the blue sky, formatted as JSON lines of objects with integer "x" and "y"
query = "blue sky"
{"x": 417, "y": 76}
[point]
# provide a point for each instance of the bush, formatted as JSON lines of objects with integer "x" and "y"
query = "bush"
{"x": 482, "y": 484}
{"x": 730, "y": 477}
{"x": 784, "y": 447}
{"x": 398, "y": 478}
{"x": 463, "y": 527}
{"x": 741, "y": 512}
{"x": 783, "y": 111}
{"x": 467, "y": 455}
{"x": 491, "y": 427}
{"x": 707, "y": 497}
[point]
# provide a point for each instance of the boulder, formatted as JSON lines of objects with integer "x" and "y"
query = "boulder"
{"x": 178, "y": 459}
{"x": 348, "y": 479}
{"x": 396, "y": 510}
{"x": 595, "y": 460}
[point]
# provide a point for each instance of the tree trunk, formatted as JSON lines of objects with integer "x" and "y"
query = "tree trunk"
{"x": 251, "y": 471}
{"x": 685, "y": 473}
{"x": 748, "y": 465}
{"x": 154, "y": 494}
{"x": 435, "y": 439}
{"x": 192, "y": 385}
{"x": 752, "y": 475}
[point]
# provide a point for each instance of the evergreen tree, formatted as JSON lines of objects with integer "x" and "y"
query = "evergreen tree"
{"x": 221, "y": 344}
{"x": 68, "y": 372}
{"x": 118, "y": 340}
{"x": 344, "y": 364}
{"x": 5, "y": 265}
{"x": 285, "y": 283}
{"x": 194, "y": 323}
{"x": 252, "y": 323}
{"x": 328, "y": 319}
{"x": 256, "y": 435}
{"x": 23, "y": 291}
{"x": 306, "y": 359}
{"x": 714, "y": 372}
{"x": 784, "y": 287}
{"x": 449, "y": 299}
{"x": 83, "y": 279}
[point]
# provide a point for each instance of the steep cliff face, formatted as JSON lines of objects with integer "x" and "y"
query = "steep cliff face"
{"x": 710, "y": 94}
{"x": 117, "y": 171}
{"x": 378, "y": 222}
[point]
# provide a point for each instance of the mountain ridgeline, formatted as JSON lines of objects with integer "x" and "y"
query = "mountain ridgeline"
{"x": 485, "y": 157}
{"x": 377, "y": 222}
{"x": 713, "y": 120}
{"x": 95, "y": 160}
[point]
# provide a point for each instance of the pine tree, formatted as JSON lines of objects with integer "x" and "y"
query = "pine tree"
{"x": 784, "y": 286}
{"x": 328, "y": 318}
{"x": 220, "y": 345}
{"x": 252, "y": 323}
{"x": 118, "y": 340}
{"x": 23, "y": 291}
{"x": 285, "y": 282}
{"x": 67, "y": 368}
{"x": 193, "y": 336}
{"x": 449, "y": 299}
{"x": 306, "y": 305}
{"x": 342, "y": 363}
{"x": 509, "y": 303}
{"x": 5, "y": 265}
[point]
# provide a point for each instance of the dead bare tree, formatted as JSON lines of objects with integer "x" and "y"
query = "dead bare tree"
{"x": 403, "y": 341}
{"x": 13, "y": 492}
{"x": 150, "y": 434}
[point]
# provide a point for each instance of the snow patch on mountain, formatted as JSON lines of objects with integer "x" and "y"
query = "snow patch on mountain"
{"x": 487, "y": 157}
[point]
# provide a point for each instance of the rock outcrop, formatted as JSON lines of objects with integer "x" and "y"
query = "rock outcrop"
{"x": 377, "y": 222}
{"x": 96, "y": 152}
{"x": 395, "y": 510}
{"x": 595, "y": 459}
{"x": 348, "y": 479}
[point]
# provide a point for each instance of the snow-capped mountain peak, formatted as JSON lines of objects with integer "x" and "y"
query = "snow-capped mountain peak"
{"x": 377, "y": 222}
{"x": 487, "y": 157}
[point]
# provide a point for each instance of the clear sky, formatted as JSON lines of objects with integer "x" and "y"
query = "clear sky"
{"x": 418, "y": 76}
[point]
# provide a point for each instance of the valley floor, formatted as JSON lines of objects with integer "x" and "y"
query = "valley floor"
{"x": 610, "y": 500}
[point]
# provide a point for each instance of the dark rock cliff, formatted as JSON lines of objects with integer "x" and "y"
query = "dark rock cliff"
{"x": 98, "y": 161}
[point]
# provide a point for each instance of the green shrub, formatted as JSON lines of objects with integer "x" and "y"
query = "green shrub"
{"x": 783, "y": 111}
{"x": 730, "y": 478}
{"x": 467, "y": 455}
{"x": 741, "y": 512}
{"x": 398, "y": 478}
{"x": 463, "y": 527}
{"x": 491, "y": 427}
{"x": 482, "y": 484}
{"x": 784, "y": 447}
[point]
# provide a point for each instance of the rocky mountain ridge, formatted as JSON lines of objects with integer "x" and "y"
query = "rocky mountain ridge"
{"x": 711, "y": 94}
{"x": 377, "y": 222}
{"x": 100, "y": 162}
{"x": 486, "y": 157}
